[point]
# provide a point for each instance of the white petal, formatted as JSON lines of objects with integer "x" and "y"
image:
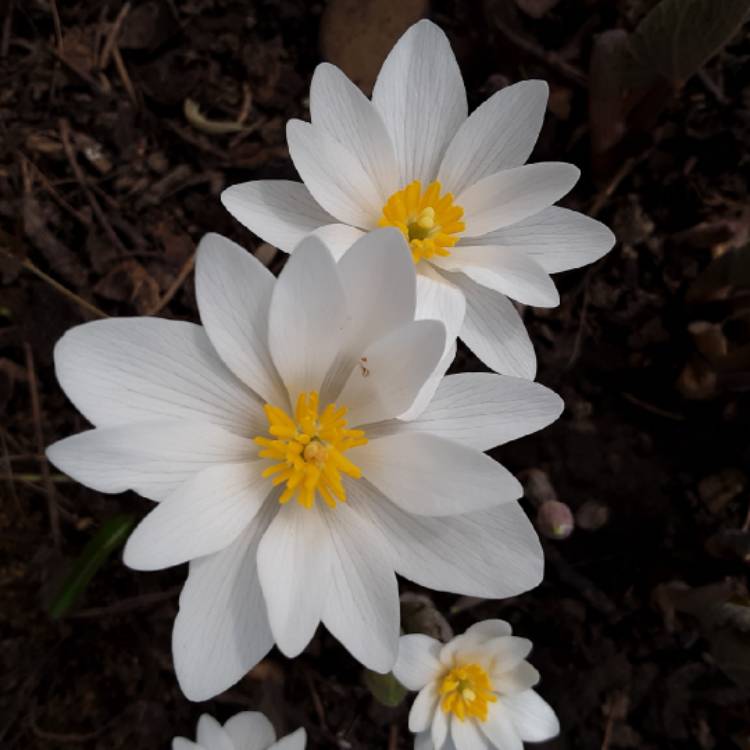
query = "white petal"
{"x": 533, "y": 718}
{"x": 494, "y": 331}
{"x": 427, "y": 391}
{"x": 466, "y": 735}
{"x": 507, "y": 271}
{"x": 202, "y": 516}
{"x": 338, "y": 238}
{"x": 427, "y": 475}
{"x": 294, "y": 741}
{"x": 417, "y": 663}
{"x": 378, "y": 276}
{"x": 307, "y": 318}
{"x": 211, "y": 735}
{"x": 423, "y": 708}
{"x": 294, "y": 565}
{"x": 522, "y": 677}
{"x": 514, "y": 194}
{"x": 423, "y": 741}
{"x": 499, "y": 134}
{"x": 151, "y": 458}
{"x": 222, "y": 630}
{"x": 181, "y": 743}
{"x": 482, "y": 410}
{"x": 488, "y": 629}
{"x": 506, "y": 652}
{"x": 125, "y": 370}
{"x": 439, "y": 729}
{"x": 281, "y": 212}
{"x": 344, "y": 112}
{"x": 558, "y": 239}
{"x": 334, "y": 175}
{"x": 499, "y": 728}
{"x": 420, "y": 94}
{"x": 234, "y": 293}
{"x": 250, "y": 730}
{"x": 380, "y": 281}
{"x": 361, "y": 608}
{"x": 390, "y": 372}
{"x": 492, "y": 554}
{"x": 438, "y": 299}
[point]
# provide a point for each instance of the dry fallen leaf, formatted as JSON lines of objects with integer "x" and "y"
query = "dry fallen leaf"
{"x": 356, "y": 35}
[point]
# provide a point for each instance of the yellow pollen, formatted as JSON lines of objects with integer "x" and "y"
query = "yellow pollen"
{"x": 467, "y": 691}
{"x": 307, "y": 451}
{"x": 430, "y": 222}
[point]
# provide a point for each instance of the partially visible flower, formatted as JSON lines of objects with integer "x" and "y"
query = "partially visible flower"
{"x": 272, "y": 442}
{"x": 480, "y": 222}
{"x": 475, "y": 691}
{"x": 248, "y": 730}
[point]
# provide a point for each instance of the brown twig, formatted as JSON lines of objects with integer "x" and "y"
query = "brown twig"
{"x": 82, "y": 74}
{"x": 124, "y": 76}
{"x": 174, "y": 287}
{"x": 54, "y": 514}
{"x": 7, "y": 28}
{"x": 50, "y": 188}
{"x": 608, "y": 191}
{"x": 550, "y": 59}
{"x": 58, "y": 26}
{"x": 7, "y": 458}
{"x": 114, "y": 32}
{"x": 393, "y": 737}
{"x": 126, "y": 605}
{"x": 58, "y": 287}
{"x": 82, "y": 181}
{"x": 317, "y": 703}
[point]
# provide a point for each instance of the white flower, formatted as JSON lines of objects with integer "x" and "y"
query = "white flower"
{"x": 475, "y": 692}
{"x": 481, "y": 225}
{"x": 248, "y": 730}
{"x": 253, "y": 495}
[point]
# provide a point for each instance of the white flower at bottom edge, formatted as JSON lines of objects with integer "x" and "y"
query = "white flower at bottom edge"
{"x": 248, "y": 730}
{"x": 475, "y": 692}
{"x": 252, "y": 431}
{"x": 480, "y": 221}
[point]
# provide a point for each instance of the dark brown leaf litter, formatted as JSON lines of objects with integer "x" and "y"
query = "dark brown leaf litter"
{"x": 105, "y": 186}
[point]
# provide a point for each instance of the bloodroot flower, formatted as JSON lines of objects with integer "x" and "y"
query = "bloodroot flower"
{"x": 270, "y": 439}
{"x": 475, "y": 692}
{"x": 480, "y": 222}
{"x": 248, "y": 730}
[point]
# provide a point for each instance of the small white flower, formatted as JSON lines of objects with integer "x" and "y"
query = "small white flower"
{"x": 252, "y": 431}
{"x": 475, "y": 692}
{"x": 248, "y": 730}
{"x": 480, "y": 222}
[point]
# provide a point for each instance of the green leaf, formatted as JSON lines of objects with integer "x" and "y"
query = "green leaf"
{"x": 110, "y": 536}
{"x": 678, "y": 37}
{"x": 385, "y": 688}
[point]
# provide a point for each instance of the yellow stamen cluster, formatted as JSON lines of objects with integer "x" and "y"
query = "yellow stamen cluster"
{"x": 308, "y": 451}
{"x": 431, "y": 223}
{"x": 466, "y": 691}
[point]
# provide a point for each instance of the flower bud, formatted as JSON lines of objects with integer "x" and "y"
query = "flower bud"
{"x": 555, "y": 520}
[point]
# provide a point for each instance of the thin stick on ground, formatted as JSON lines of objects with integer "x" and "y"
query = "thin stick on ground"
{"x": 7, "y": 458}
{"x": 83, "y": 182}
{"x": 174, "y": 287}
{"x": 36, "y": 412}
{"x": 114, "y": 32}
{"x": 58, "y": 287}
{"x": 58, "y": 25}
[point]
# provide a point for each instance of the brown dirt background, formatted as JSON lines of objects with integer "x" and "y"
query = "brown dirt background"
{"x": 105, "y": 186}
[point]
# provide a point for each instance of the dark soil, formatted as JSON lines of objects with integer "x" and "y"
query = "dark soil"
{"x": 640, "y": 630}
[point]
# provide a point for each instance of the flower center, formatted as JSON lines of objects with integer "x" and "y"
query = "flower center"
{"x": 467, "y": 691}
{"x": 307, "y": 451}
{"x": 431, "y": 223}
